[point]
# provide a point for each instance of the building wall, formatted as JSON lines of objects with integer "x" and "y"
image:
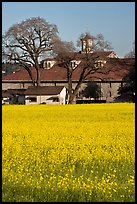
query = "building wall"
{"x": 6, "y": 86}
{"x": 44, "y": 99}
{"x": 15, "y": 85}
{"x": 40, "y": 99}
{"x": 48, "y": 84}
{"x": 108, "y": 89}
{"x": 62, "y": 96}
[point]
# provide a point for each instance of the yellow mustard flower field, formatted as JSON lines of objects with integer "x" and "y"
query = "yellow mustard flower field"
{"x": 70, "y": 153}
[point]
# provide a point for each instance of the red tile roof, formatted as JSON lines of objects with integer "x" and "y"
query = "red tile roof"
{"x": 43, "y": 90}
{"x": 81, "y": 55}
{"x": 114, "y": 69}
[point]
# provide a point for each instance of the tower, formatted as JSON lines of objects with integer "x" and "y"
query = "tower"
{"x": 87, "y": 43}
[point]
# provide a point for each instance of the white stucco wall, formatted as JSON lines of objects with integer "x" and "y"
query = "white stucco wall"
{"x": 5, "y": 100}
{"x": 44, "y": 99}
{"x": 62, "y": 96}
{"x": 40, "y": 99}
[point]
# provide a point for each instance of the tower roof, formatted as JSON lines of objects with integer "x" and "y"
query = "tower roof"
{"x": 87, "y": 37}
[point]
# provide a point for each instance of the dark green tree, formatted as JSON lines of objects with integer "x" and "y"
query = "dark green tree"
{"x": 92, "y": 90}
{"x": 127, "y": 91}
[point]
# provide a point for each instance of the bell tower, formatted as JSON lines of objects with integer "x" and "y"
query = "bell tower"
{"x": 87, "y": 43}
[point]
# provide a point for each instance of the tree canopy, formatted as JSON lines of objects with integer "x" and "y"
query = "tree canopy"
{"x": 27, "y": 43}
{"x": 127, "y": 91}
{"x": 131, "y": 54}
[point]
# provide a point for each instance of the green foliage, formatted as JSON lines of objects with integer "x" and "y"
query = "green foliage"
{"x": 127, "y": 91}
{"x": 92, "y": 90}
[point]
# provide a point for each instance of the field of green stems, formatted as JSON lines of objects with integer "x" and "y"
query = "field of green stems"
{"x": 70, "y": 153}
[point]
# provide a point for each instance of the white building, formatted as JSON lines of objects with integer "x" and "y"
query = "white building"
{"x": 45, "y": 95}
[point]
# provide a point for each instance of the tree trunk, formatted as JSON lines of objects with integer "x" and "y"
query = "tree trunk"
{"x": 70, "y": 89}
{"x": 29, "y": 72}
{"x": 81, "y": 78}
{"x": 73, "y": 95}
{"x": 71, "y": 99}
{"x": 38, "y": 80}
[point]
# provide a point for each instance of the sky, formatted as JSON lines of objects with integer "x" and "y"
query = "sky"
{"x": 115, "y": 20}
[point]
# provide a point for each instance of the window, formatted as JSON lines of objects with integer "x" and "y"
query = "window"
{"x": 55, "y": 99}
{"x": 32, "y": 99}
{"x": 98, "y": 64}
{"x": 73, "y": 64}
{"x": 110, "y": 93}
{"x": 48, "y": 65}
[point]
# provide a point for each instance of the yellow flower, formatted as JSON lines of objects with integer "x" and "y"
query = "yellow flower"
{"x": 86, "y": 148}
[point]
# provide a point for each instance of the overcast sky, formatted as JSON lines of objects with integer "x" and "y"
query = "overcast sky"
{"x": 115, "y": 20}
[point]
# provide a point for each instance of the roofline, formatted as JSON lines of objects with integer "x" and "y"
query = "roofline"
{"x": 38, "y": 94}
{"x": 63, "y": 81}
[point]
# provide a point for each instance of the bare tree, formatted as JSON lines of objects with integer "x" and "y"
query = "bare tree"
{"x": 131, "y": 54}
{"x": 27, "y": 43}
{"x": 65, "y": 55}
{"x": 99, "y": 43}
